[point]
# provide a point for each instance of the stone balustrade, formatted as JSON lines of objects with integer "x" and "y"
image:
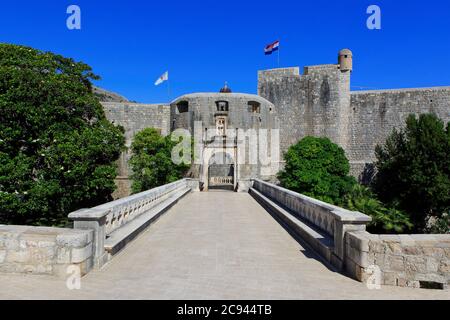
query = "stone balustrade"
{"x": 221, "y": 180}
{"x": 44, "y": 251}
{"x": 116, "y": 223}
{"x": 415, "y": 260}
{"x": 331, "y": 221}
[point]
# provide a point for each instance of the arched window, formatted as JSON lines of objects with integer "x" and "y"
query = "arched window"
{"x": 222, "y": 106}
{"x": 254, "y": 107}
{"x": 183, "y": 106}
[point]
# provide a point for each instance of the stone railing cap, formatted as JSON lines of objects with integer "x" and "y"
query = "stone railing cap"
{"x": 351, "y": 216}
{"x": 103, "y": 210}
{"x": 339, "y": 213}
{"x": 89, "y": 214}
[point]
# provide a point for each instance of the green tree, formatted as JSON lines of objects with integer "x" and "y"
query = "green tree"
{"x": 414, "y": 169}
{"x": 151, "y": 161}
{"x": 57, "y": 150}
{"x": 318, "y": 168}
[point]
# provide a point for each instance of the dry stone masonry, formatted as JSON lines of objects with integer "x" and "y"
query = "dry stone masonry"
{"x": 40, "y": 250}
{"x": 134, "y": 118}
{"x": 418, "y": 261}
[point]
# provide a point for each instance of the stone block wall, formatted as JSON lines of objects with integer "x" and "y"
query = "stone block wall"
{"x": 374, "y": 114}
{"x": 319, "y": 103}
{"x": 44, "y": 251}
{"x": 418, "y": 261}
{"x": 287, "y": 90}
{"x": 313, "y": 104}
{"x": 134, "y": 117}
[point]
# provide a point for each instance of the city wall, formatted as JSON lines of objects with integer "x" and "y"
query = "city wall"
{"x": 134, "y": 117}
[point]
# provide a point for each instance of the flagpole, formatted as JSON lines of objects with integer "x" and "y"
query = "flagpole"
{"x": 168, "y": 86}
{"x": 168, "y": 89}
{"x": 279, "y": 56}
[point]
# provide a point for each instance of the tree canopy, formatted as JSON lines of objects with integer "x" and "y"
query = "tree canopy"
{"x": 151, "y": 161}
{"x": 57, "y": 149}
{"x": 414, "y": 169}
{"x": 317, "y": 168}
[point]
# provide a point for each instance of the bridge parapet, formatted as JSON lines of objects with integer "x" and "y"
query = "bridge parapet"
{"x": 118, "y": 222}
{"x": 326, "y": 220}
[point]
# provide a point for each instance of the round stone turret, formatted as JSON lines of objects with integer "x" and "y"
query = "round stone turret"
{"x": 346, "y": 60}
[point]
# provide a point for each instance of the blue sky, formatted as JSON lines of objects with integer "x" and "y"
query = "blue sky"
{"x": 204, "y": 43}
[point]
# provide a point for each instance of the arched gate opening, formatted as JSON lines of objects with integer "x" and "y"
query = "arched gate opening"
{"x": 221, "y": 172}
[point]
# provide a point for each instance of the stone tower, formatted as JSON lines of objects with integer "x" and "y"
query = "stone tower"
{"x": 345, "y": 60}
{"x": 316, "y": 103}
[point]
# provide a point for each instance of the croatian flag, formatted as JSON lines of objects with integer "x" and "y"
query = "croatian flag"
{"x": 272, "y": 48}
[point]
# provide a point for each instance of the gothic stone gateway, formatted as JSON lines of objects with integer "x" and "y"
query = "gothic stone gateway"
{"x": 318, "y": 102}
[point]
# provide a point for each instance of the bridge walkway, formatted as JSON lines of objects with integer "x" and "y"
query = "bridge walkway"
{"x": 215, "y": 245}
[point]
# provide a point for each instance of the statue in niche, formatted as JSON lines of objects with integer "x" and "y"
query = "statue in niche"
{"x": 221, "y": 126}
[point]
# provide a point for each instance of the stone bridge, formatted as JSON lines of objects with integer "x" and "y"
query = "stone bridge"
{"x": 173, "y": 242}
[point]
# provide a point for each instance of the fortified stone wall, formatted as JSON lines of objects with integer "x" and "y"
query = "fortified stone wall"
{"x": 320, "y": 103}
{"x": 286, "y": 89}
{"x": 134, "y": 118}
{"x": 315, "y": 103}
{"x": 49, "y": 251}
{"x": 374, "y": 114}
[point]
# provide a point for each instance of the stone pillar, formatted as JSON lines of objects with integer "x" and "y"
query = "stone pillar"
{"x": 342, "y": 225}
{"x": 93, "y": 219}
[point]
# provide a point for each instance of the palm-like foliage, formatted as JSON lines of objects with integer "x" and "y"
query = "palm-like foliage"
{"x": 384, "y": 220}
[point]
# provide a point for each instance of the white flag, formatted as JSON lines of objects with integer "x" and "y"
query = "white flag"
{"x": 163, "y": 78}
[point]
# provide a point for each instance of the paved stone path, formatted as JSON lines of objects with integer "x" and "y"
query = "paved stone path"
{"x": 216, "y": 245}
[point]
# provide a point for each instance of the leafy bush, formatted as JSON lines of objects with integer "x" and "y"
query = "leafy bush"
{"x": 151, "y": 161}
{"x": 384, "y": 220}
{"x": 318, "y": 168}
{"x": 439, "y": 225}
{"x": 57, "y": 150}
{"x": 414, "y": 169}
